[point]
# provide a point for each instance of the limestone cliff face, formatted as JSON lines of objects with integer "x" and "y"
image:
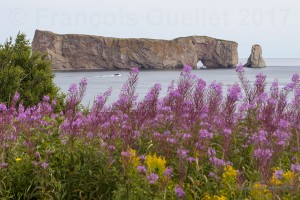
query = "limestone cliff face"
{"x": 80, "y": 52}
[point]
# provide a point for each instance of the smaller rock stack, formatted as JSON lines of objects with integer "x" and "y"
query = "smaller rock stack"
{"x": 256, "y": 60}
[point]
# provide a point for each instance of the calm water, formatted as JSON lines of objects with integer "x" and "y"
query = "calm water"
{"x": 100, "y": 81}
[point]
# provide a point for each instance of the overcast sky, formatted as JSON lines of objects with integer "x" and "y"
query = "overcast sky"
{"x": 274, "y": 24}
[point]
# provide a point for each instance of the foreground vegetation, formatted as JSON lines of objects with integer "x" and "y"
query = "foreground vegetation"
{"x": 197, "y": 142}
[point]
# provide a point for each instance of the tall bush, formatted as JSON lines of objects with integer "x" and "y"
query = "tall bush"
{"x": 24, "y": 71}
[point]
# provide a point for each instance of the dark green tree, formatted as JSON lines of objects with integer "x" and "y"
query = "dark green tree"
{"x": 26, "y": 72}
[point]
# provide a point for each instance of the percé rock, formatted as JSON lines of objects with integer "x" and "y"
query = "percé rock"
{"x": 85, "y": 52}
{"x": 256, "y": 60}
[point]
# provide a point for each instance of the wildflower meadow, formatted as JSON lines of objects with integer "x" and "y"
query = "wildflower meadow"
{"x": 196, "y": 142}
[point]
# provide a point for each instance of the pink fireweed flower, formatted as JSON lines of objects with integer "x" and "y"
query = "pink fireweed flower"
{"x": 90, "y": 134}
{"x": 283, "y": 123}
{"x": 201, "y": 84}
{"x": 44, "y": 165}
{"x": 16, "y": 97}
{"x": 211, "y": 152}
{"x": 283, "y": 137}
{"x": 295, "y": 78}
{"x": 263, "y": 97}
{"x": 235, "y": 92}
{"x": 142, "y": 157}
{"x": 297, "y": 93}
{"x": 73, "y": 88}
{"x": 243, "y": 107}
{"x": 114, "y": 118}
{"x": 295, "y": 167}
{"x": 240, "y": 68}
{"x": 53, "y": 102}
{"x": 171, "y": 140}
{"x": 175, "y": 94}
{"x": 111, "y": 147}
{"x": 152, "y": 95}
{"x": 135, "y": 70}
{"x": 205, "y": 134}
{"x": 186, "y": 136}
{"x": 100, "y": 99}
{"x": 157, "y": 135}
{"x": 274, "y": 85}
{"x": 125, "y": 154}
{"x": 167, "y": 133}
{"x": 289, "y": 87}
{"x": 136, "y": 134}
{"x": 22, "y": 116}
{"x": 171, "y": 87}
{"x": 187, "y": 68}
{"x": 216, "y": 86}
{"x": 141, "y": 169}
{"x": 272, "y": 101}
{"x": 260, "y": 79}
{"x": 152, "y": 178}
{"x": 104, "y": 145}
{"x": 37, "y": 154}
{"x": 264, "y": 154}
{"x": 77, "y": 123}
{"x": 278, "y": 174}
{"x": 198, "y": 145}
{"x": 182, "y": 153}
{"x": 168, "y": 171}
{"x": 3, "y": 165}
{"x": 217, "y": 161}
{"x": 260, "y": 137}
{"x": 3, "y": 107}
{"x": 46, "y": 98}
{"x": 191, "y": 159}
{"x": 179, "y": 192}
{"x": 213, "y": 175}
{"x": 227, "y": 132}
{"x": 251, "y": 106}
{"x": 83, "y": 82}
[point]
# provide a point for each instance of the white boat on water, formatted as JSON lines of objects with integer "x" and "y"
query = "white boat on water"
{"x": 112, "y": 75}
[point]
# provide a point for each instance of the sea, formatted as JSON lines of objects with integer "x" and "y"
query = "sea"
{"x": 100, "y": 81}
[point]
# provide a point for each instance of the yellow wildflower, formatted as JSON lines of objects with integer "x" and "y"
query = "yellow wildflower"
{"x": 289, "y": 175}
{"x": 275, "y": 181}
{"x": 229, "y": 172}
{"x": 129, "y": 158}
{"x": 219, "y": 197}
{"x": 277, "y": 176}
{"x": 134, "y": 159}
{"x": 213, "y": 197}
{"x": 260, "y": 191}
{"x": 18, "y": 159}
{"x": 155, "y": 164}
{"x": 206, "y": 197}
{"x": 228, "y": 183}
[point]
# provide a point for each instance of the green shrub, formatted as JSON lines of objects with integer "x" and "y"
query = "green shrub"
{"x": 24, "y": 71}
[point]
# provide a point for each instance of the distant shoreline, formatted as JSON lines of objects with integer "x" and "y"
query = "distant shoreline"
{"x": 269, "y": 61}
{"x": 128, "y": 70}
